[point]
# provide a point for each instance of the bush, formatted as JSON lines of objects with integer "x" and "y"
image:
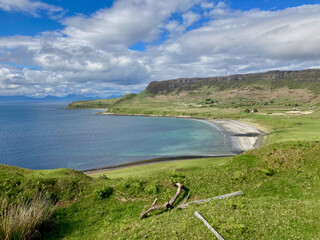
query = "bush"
{"x": 20, "y": 220}
{"x": 269, "y": 171}
{"x": 176, "y": 177}
{"x": 247, "y": 110}
{"x": 104, "y": 192}
{"x": 152, "y": 189}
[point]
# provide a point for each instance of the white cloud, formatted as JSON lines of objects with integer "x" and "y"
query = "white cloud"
{"x": 175, "y": 28}
{"x": 189, "y": 18}
{"x": 125, "y": 23}
{"x": 29, "y": 7}
{"x": 243, "y": 42}
{"x": 92, "y": 56}
{"x": 221, "y": 9}
{"x": 207, "y": 5}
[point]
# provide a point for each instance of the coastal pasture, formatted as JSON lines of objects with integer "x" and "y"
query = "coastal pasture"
{"x": 289, "y": 128}
{"x": 280, "y": 201}
{"x": 149, "y": 169}
{"x": 99, "y": 103}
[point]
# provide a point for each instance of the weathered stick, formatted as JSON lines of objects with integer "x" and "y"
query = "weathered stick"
{"x": 215, "y": 232}
{"x": 166, "y": 205}
{"x": 174, "y": 198}
{"x": 210, "y": 199}
{"x": 185, "y": 199}
{"x": 154, "y": 207}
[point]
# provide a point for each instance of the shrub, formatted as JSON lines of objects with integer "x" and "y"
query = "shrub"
{"x": 20, "y": 220}
{"x": 269, "y": 171}
{"x": 152, "y": 189}
{"x": 104, "y": 192}
{"x": 175, "y": 177}
{"x": 247, "y": 110}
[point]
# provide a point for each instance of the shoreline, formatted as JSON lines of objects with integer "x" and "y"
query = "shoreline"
{"x": 242, "y": 137}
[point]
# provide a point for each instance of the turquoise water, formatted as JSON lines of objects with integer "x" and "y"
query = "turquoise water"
{"x": 42, "y": 136}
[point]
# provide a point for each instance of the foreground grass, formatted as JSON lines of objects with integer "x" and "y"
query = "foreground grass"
{"x": 281, "y": 197}
{"x": 21, "y": 219}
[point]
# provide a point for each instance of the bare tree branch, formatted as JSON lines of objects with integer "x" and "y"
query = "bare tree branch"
{"x": 166, "y": 205}
{"x": 174, "y": 198}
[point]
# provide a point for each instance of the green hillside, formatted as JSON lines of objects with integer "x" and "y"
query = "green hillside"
{"x": 280, "y": 201}
{"x": 228, "y": 97}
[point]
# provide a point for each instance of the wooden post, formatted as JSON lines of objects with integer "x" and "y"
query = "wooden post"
{"x": 210, "y": 199}
{"x": 215, "y": 232}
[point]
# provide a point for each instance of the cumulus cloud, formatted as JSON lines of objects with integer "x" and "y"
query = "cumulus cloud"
{"x": 92, "y": 54}
{"x": 126, "y": 22}
{"x": 244, "y": 42}
{"x": 207, "y": 5}
{"x": 189, "y": 18}
{"x": 221, "y": 9}
{"x": 29, "y": 7}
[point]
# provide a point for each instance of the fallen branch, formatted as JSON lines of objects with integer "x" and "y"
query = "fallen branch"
{"x": 185, "y": 199}
{"x": 166, "y": 205}
{"x": 215, "y": 232}
{"x": 184, "y": 205}
{"x": 174, "y": 198}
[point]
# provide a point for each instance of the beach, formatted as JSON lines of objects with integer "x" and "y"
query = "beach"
{"x": 243, "y": 136}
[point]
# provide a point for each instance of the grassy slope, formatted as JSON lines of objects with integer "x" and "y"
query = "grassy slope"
{"x": 99, "y": 103}
{"x": 281, "y": 200}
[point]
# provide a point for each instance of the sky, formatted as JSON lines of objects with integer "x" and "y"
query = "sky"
{"x": 101, "y": 48}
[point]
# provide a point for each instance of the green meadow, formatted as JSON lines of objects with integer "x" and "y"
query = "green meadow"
{"x": 280, "y": 183}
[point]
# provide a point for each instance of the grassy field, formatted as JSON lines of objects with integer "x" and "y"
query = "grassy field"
{"x": 280, "y": 184}
{"x": 99, "y": 103}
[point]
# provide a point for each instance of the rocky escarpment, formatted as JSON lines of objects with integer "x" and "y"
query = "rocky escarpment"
{"x": 307, "y": 79}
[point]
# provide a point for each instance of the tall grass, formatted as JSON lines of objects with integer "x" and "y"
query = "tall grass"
{"x": 21, "y": 219}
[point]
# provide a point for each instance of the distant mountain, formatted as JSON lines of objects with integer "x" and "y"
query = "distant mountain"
{"x": 68, "y": 98}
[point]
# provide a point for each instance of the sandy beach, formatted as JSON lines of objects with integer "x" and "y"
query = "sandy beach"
{"x": 242, "y": 136}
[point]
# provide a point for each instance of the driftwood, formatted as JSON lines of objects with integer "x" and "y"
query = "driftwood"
{"x": 185, "y": 199}
{"x": 184, "y": 205}
{"x": 215, "y": 232}
{"x": 166, "y": 205}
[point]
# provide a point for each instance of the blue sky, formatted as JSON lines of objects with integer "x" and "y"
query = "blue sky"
{"x": 17, "y": 23}
{"x": 101, "y": 48}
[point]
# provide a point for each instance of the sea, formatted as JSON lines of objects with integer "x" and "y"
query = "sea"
{"x": 43, "y": 135}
